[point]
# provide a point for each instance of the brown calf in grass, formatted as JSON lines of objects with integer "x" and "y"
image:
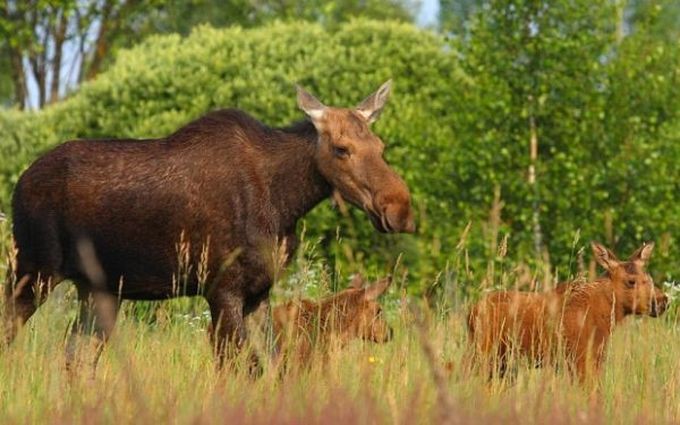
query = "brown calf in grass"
{"x": 574, "y": 318}
{"x": 303, "y": 325}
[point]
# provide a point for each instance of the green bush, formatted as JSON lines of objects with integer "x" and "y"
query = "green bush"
{"x": 453, "y": 129}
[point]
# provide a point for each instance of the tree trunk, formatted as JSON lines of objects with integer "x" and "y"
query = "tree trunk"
{"x": 533, "y": 158}
{"x": 38, "y": 68}
{"x": 35, "y": 57}
{"x": 533, "y": 105}
{"x": 620, "y": 20}
{"x": 101, "y": 45}
{"x": 59, "y": 37}
{"x": 18, "y": 78}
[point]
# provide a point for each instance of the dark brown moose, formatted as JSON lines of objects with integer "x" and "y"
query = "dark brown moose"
{"x": 300, "y": 326}
{"x": 225, "y": 192}
{"x": 576, "y": 319}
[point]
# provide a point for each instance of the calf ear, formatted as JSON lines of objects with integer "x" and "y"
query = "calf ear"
{"x": 372, "y": 106}
{"x": 314, "y": 109}
{"x": 604, "y": 257}
{"x": 643, "y": 254}
{"x": 357, "y": 281}
{"x": 377, "y": 289}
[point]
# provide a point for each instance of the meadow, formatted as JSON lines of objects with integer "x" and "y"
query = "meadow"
{"x": 523, "y": 135}
{"x": 158, "y": 367}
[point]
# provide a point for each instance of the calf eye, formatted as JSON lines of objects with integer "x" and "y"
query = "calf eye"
{"x": 340, "y": 152}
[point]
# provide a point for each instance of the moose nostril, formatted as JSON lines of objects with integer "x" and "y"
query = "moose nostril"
{"x": 399, "y": 218}
{"x": 410, "y": 226}
{"x": 386, "y": 222}
{"x": 659, "y": 306}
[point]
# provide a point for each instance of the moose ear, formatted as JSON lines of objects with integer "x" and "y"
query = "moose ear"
{"x": 377, "y": 289}
{"x": 357, "y": 281}
{"x": 643, "y": 254}
{"x": 310, "y": 105}
{"x": 373, "y": 105}
{"x": 604, "y": 257}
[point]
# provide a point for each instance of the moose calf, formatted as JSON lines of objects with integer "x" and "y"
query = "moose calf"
{"x": 302, "y": 325}
{"x": 576, "y": 319}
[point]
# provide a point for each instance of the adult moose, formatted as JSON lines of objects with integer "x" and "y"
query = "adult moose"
{"x": 108, "y": 214}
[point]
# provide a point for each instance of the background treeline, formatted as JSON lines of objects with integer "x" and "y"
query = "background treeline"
{"x": 531, "y": 125}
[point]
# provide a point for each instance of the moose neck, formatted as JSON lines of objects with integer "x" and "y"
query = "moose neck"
{"x": 615, "y": 309}
{"x": 296, "y": 184}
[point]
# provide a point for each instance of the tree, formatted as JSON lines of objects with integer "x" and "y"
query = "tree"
{"x": 178, "y": 16}
{"x": 40, "y": 34}
{"x": 538, "y": 74}
{"x": 571, "y": 113}
{"x": 455, "y": 15}
{"x": 659, "y": 19}
{"x": 55, "y": 43}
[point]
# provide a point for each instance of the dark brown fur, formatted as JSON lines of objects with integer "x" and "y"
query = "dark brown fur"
{"x": 114, "y": 216}
{"x": 579, "y": 317}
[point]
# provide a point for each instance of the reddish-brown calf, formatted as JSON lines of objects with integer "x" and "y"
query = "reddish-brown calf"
{"x": 576, "y": 319}
{"x": 301, "y": 326}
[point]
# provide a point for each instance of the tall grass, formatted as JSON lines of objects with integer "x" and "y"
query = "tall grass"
{"x": 158, "y": 366}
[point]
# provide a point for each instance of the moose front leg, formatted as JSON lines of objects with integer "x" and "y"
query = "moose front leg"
{"x": 97, "y": 318}
{"x": 228, "y": 333}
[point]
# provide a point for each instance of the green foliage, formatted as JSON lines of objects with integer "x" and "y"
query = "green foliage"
{"x": 606, "y": 115}
{"x": 181, "y": 16}
{"x": 455, "y": 15}
{"x": 457, "y": 127}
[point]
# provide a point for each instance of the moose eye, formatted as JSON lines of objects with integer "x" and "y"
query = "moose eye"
{"x": 340, "y": 151}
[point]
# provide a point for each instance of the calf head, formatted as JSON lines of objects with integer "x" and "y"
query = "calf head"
{"x": 350, "y": 157}
{"x": 633, "y": 286}
{"x": 363, "y": 315}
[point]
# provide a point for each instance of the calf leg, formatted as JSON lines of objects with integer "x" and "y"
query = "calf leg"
{"x": 586, "y": 359}
{"x": 499, "y": 363}
{"x": 97, "y": 318}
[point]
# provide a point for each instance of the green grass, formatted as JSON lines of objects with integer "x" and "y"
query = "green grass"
{"x": 158, "y": 367}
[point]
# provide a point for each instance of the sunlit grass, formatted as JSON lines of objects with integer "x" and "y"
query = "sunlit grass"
{"x": 158, "y": 367}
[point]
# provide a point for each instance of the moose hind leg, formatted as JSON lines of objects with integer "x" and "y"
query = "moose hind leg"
{"x": 96, "y": 319}
{"x": 22, "y": 300}
{"x": 38, "y": 271}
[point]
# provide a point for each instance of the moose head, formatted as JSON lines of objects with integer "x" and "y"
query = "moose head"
{"x": 350, "y": 157}
{"x": 633, "y": 286}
